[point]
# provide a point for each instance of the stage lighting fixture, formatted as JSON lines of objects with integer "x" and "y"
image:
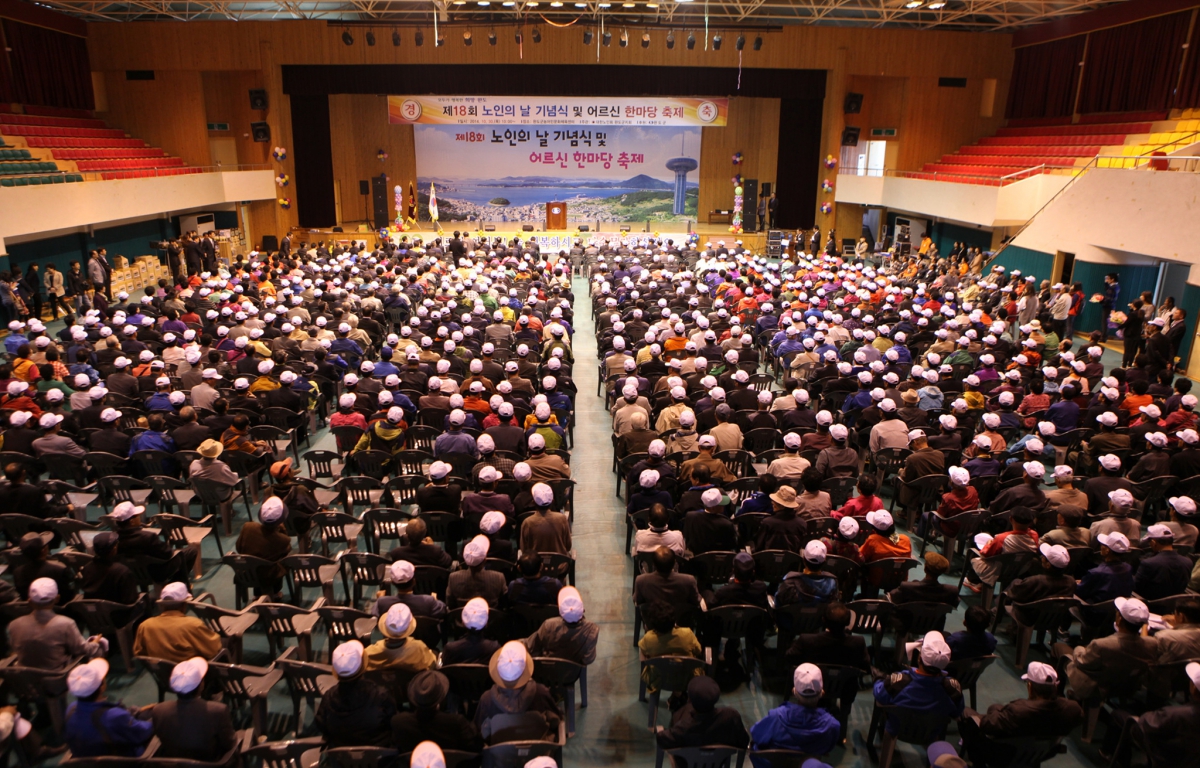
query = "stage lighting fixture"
{"x": 420, "y": 39}
{"x": 587, "y": 37}
{"x": 347, "y": 38}
{"x": 624, "y": 38}
{"x": 517, "y": 38}
{"x": 467, "y": 38}
{"x": 691, "y": 41}
{"x": 537, "y": 35}
{"x": 716, "y": 42}
{"x": 606, "y": 38}
{"x": 370, "y": 38}
{"x": 758, "y": 43}
{"x": 492, "y": 37}
{"x": 396, "y": 37}
{"x": 670, "y": 40}
{"x": 441, "y": 40}
{"x": 645, "y": 39}
{"x": 740, "y": 43}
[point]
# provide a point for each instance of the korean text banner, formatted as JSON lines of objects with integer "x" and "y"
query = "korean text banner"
{"x": 567, "y": 110}
{"x": 615, "y": 173}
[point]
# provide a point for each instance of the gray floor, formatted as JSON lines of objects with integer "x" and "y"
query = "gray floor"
{"x": 612, "y": 730}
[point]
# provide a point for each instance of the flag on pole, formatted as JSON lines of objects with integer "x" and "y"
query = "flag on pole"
{"x": 433, "y": 214}
{"x": 412, "y": 202}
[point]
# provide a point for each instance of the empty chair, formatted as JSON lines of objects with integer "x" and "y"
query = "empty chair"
{"x": 284, "y": 621}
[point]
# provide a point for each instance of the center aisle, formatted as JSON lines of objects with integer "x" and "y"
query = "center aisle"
{"x": 613, "y": 727}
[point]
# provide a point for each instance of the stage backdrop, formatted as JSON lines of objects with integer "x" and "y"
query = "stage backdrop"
{"x": 631, "y": 161}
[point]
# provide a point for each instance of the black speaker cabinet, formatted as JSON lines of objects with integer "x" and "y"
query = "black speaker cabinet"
{"x": 526, "y": 227}
{"x": 270, "y": 243}
{"x": 364, "y": 187}
{"x": 258, "y": 99}
{"x": 380, "y": 211}
{"x": 766, "y": 189}
{"x": 489, "y": 227}
{"x": 850, "y": 136}
{"x": 750, "y": 205}
{"x": 584, "y": 228}
{"x": 853, "y": 104}
{"x": 260, "y": 131}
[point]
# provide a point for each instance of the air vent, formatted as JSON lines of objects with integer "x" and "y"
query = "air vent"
{"x": 218, "y": 126}
{"x": 952, "y": 82}
{"x": 883, "y": 133}
{"x": 139, "y": 74}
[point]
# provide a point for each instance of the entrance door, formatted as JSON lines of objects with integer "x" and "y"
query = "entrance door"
{"x": 223, "y": 151}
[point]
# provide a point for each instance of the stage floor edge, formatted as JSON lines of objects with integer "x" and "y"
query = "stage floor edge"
{"x": 755, "y": 241}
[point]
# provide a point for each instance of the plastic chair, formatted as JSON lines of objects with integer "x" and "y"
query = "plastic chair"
{"x": 173, "y": 495}
{"x": 912, "y": 727}
{"x": 699, "y": 757}
{"x": 360, "y": 491}
{"x": 321, "y": 464}
{"x": 294, "y": 753}
{"x": 343, "y": 624}
{"x": 247, "y": 575}
{"x": 373, "y": 464}
{"x": 309, "y": 571}
{"x": 711, "y": 567}
{"x": 739, "y": 622}
{"x": 561, "y": 675}
{"x": 382, "y": 524}
{"x": 229, "y": 624}
{"x": 674, "y": 674}
{"x": 160, "y": 670}
{"x": 772, "y": 565}
{"x": 968, "y": 671}
{"x": 359, "y": 569}
{"x": 306, "y": 682}
{"x": 186, "y": 533}
{"x": 430, "y": 580}
{"x": 285, "y": 621}
{"x": 1040, "y": 616}
{"x": 468, "y": 682}
{"x": 337, "y": 527}
{"x": 220, "y": 497}
{"x": 102, "y": 617}
{"x": 45, "y": 687}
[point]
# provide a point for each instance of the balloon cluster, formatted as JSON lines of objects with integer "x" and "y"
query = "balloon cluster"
{"x": 737, "y": 158}
{"x": 736, "y": 180}
{"x": 826, "y": 208}
{"x": 380, "y": 155}
{"x": 285, "y": 203}
{"x": 827, "y": 186}
{"x": 398, "y": 191}
{"x": 279, "y": 153}
{"x": 735, "y": 222}
{"x": 830, "y": 162}
{"x": 282, "y": 180}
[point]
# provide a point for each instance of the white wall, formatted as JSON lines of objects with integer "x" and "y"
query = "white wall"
{"x": 33, "y": 210}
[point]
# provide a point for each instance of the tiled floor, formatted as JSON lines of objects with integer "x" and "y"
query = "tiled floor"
{"x": 612, "y": 730}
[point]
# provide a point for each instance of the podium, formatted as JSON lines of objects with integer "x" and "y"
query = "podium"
{"x": 556, "y": 216}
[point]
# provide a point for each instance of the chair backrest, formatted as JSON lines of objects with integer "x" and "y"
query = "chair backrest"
{"x": 737, "y": 620}
{"x": 430, "y": 579}
{"x": 210, "y": 491}
{"x": 675, "y": 672}
{"x": 772, "y": 565}
{"x": 914, "y": 726}
{"x": 712, "y": 567}
{"x": 701, "y": 757}
{"x": 286, "y": 754}
{"x": 320, "y": 464}
{"x": 340, "y": 621}
{"x": 304, "y": 570}
{"x": 359, "y": 757}
{"x": 526, "y": 726}
{"x": 778, "y": 758}
{"x": 373, "y": 463}
{"x": 302, "y": 676}
{"x": 556, "y": 673}
{"x": 1050, "y": 613}
{"x": 920, "y": 617}
{"x": 247, "y": 570}
{"x": 468, "y": 681}
{"x": 280, "y": 617}
{"x": 870, "y": 616}
{"x": 968, "y": 671}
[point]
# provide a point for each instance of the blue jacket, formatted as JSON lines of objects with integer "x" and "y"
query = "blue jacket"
{"x": 96, "y": 728}
{"x": 1105, "y": 582}
{"x": 923, "y": 693}
{"x": 811, "y": 730}
{"x": 159, "y": 401}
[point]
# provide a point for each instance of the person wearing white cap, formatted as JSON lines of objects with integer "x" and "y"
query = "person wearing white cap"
{"x": 515, "y": 691}
{"x": 546, "y": 530}
{"x": 790, "y": 465}
{"x": 547, "y": 467}
{"x": 927, "y": 687}
{"x": 172, "y": 634}
{"x": 190, "y": 726}
{"x": 1065, "y": 492}
{"x": 800, "y": 725}
{"x": 1021, "y": 538}
{"x": 46, "y": 640}
{"x": 1055, "y": 581}
{"x": 1105, "y": 441}
{"x": 1165, "y": 572}
{"x": 96, "y": 727}
{"x": 1183, "y": 511}
{"x": 398, "y": 649}
{"x": 267, "y": 540}
{"x": 1169, "y": 734}
{"x": 1106, "y": 661}
{"x": 567, "y": 636}
{"x": 52, "y": 442}
{"x": 891, "y": 431}
{"x": 1043, "y": 715}
{"x": 475, "y": 580}
{"x": 356, "y": 712}
{"x": 921, "y": 462}
{"x": 1120, "y": 503}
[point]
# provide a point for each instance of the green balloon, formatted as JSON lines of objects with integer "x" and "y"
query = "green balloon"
{"x": 737, "y": 190}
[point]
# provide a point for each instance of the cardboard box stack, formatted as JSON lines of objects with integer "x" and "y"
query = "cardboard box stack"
{"x": 141, "y": 272}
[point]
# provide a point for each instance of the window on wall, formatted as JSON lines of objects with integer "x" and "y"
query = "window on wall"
{"x": 869, "y": 158}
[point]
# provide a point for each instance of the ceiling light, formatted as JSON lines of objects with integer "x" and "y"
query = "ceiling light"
{"x": 624, "y": 38}
{"x": 587, "y": 37}
{"x": 347, "y": 38}
{"x": 556, "y": 4}
{"x": 467, "y": 38}
{"x": 936, "y": 6}
{"x": 483, "y": 3}
{"x": 740, "y": 43}
{"x": 628, "y": 5}
{"x": 670, "y": 40}
{"x": 420, "y": 38}
{"x": 532, "y": 5}
{"x": 460, "y": 2}
{"x": 396, "y": 37}
{"x": 691, "y": 41}
{"x": 645, "y": 39}
{"x": 651, "y": 4}
{"x": 581, "y": 5}
{"x": 370, "y": 38}
{"x": 758, "y": 43}
{"x": 914, "y": 4}
{"x": 492, "y": 37}
{"x": 604, "y": 5}
{"x": 716, "y": 42}
{"x": 508, "y": 3}
{"x": 607, "y": 38}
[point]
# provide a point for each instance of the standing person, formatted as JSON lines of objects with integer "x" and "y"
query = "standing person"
{"x": 762, "y": 213}
{"x": 1112, "y": 292}
{"x": 55, "y": 290}
{"x": 97, "y": 273}
{"x": 1060, "y": 310}
{"x": 31, "y": 283}
{"x": 1077, "y": 301}
{"x": 174, "y": 259}
{"x": 772, "y": 207}
{"x": 192, "y": 255}
{"x": 1131, "y": 330}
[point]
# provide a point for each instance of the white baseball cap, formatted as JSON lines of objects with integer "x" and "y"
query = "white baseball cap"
{"x": 1116, "y": 541}
{"x": 807, "y": 681}
{"x": 934, "y": 651}
{"x": 86, "y": 679}
{"x": 1132, "y": 610}
{"x": 187, "y": 675}
{"x": 475, "y": 614}
{"x": 1041, "y": 674}
{"x": 401, "y": 572}
{"x": 476, "y": 550}
{"x": 348, "y": 658}
{"x": 1056, "y": 554}
{"x": 570, "y": 605}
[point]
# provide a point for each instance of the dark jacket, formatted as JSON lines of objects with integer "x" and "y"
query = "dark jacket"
{"x": 691, "y": 728}
{"x": 1162, "y": 575}
{"x": 447, "y": 730}
{"x": 356, "y": 712}
{"x": 193, "y": 728}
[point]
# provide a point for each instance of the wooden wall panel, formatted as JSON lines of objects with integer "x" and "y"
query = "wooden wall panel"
{"x": 227, "y": 100}
{"x": 166, "y": 112}
{"x": 359, "y": 128}
{"x": 753, "y": 130}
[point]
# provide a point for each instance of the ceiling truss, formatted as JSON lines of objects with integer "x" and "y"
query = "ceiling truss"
{"x": 963, "y": 15}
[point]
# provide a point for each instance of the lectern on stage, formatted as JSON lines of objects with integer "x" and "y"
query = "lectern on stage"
{"x": 556, "y": 216}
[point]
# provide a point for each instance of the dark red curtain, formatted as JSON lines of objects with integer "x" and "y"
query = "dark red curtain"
{"x": 1043, "y": 79}
{"x": 45, "y": 68}
{"x": 1134, "y": 67}
{"x": 1188, "y": 95}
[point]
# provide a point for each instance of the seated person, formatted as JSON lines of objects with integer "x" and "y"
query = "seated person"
{"x": 1113, "y": 577}
{"x": 1022, "y": 538}
{"x": 475, "y": 580}
{"x": 472, "y": 647}
{"x": 664, "y": 638}
{"x": 268, "y": 541}
{"x": 659, "y": 534}
{"x": 105, "y": 577}
{"x": 799, "y": 725}
{"x": 533, "y": 587}
{"x": 46, "y": 640}
{"x": 418, "y": 549}
{"x": 96, "y": 727}
{"x": 1112, "y": 659}
{"x": 927, "y": 688}
{"x": 834, "y": 646}
{"x": 172, "y": 634}
{"x": 514, "y": 691}
{"x": 1169, "y": 734}
{"x": 700, "y": 722}
{"x": 1043, "y": 715}
{"x": 190, "y": 726}
{"x": 1054, "y": 581}
{"x": 402, "y": 575}
{"x": 974, "y": 639}
{"x": 811, "y": 584}
{"x": 568, "y": 636}
{"x": 1165, "y": 572}
{"x": 1069, "y": 533}
{"x": 866, "y": 500}
{"x": 1182, "y": 640}
{"x": 398, "y": 649}
{"x": 355, "y": 712}
{"x": 928, "y": 589}
{"x": 427, "y": 722}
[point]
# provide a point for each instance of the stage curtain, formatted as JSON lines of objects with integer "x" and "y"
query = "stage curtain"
{"x": 316, "y": 205}
{"x": 1043, "y": 79}
{"x": 1134, "y": 67}
{"x": 1188, "y": 95}
{"x": 48, "y": 68}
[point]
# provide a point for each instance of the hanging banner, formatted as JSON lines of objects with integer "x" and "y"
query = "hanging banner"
{"x": 567, "y": 110}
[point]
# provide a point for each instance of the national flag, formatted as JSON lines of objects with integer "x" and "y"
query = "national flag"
{"x": 433, "y": 214}
{"x": 412, "y": 202}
